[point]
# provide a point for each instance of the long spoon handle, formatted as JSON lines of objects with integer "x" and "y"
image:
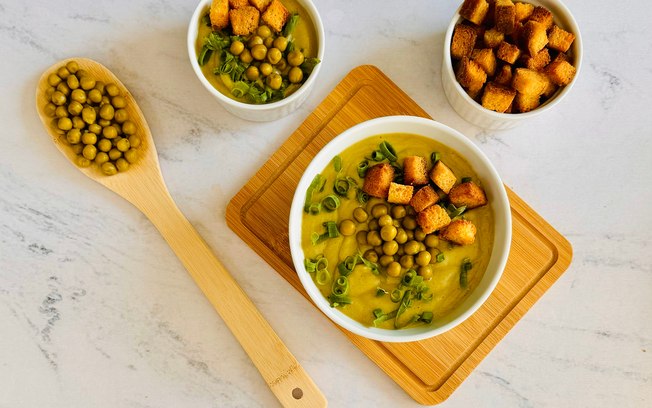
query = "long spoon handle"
{"x": 282, "y": 372}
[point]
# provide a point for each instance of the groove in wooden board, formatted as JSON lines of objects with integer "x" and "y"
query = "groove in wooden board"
{"x": 432, "y": 369}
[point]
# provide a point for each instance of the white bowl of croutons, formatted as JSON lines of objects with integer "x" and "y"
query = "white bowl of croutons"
{"x": 435, "y": 268}
{"x": 507, "y": 61}
{"x": 258, "y": 58}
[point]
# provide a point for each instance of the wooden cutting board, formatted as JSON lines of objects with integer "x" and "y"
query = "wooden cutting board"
{"x": 429, "y": 370}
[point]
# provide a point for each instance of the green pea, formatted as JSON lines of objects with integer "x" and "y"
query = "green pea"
{"x": 371, "y": 256}
{"x": 401, "y": 236}
{"x": 101, "y": 158}
{"x": 89, "y": 138}
{"x": 101, "y": 87}
{"x": 281, "y": 43}
{"x": 360, "y": 214}
{"x": 49, "y": 92}
{"x": 49, "y": 109}
{"x": 268, "y": 42}
{"x": 245, "y": 56}
{"x": 110, "y": 132}
{"x": 347, "y": 228}
{"x": 385, "y": 260}
{"x": 129, "y": 128}
{"x": 266, "y": 68}
{"x": 95, "y": 96}
{"x": 407, "y": 261}
{"x": 54, "y": 79}
{"x": 295, "y": 75}
{"x": 89, "y": 152}
{"x": 373, "y": 225}
{"x": 264, "y": 31}
{"x": 274, "y": 81}
{"x": 425, "y": 272}
{"x": 63, "y": 73}
{"x": 295, "y": 58}
{"x": 72, "y": 66}
{"x": 77, "y": 148}
{"x": 58, "y": 98}
{"x": 89, "y": 115}
{"x": 104, "y": 145}
{"x": 252, "y": 73}
{"x": 119, "y": 102}
{"x": 419, "y": 235}
{"x": 274, "y": 55}
{"x": 123, "y": 145}
{"x": 112, "y": 90}
{"x": 423, "y": 258}
{"x": 259, "y": 52}
{"x": 361, "y": 237}
{"x": 87, "y": 83}
{"x": 75, "y": 108}
{"x": 134, "y": 141}
{"x": 107, "y": 112}
{"x": 236, "y": 47}
{"x": 72, "y": 81}
{"x": 78, "y": 123}
{"x": 411, "y": 247}
{"x": 83, "y": 162}
{"x": 254, "y": 41}
{"x": 115, "y": 154}
{"x": 409, "y": 223}
{"x": 122, "y": 164}
{"x": 64, "y": 124}
{"x": 121, "y": 115}
{"x": 61, "y": 112}
{"x": 398, "y": 211}
{"x": 384, "y": 220}
{"x": 390, "y": 247}
{"x": 431, "y": 241}
{"x": 131, "y": 155}
{"x": 373, "y": 238}
{"x": 73, "y": 136}
{"x": 109, "y": 169}
{"x": 379, "y": 210}
{"x": 388, "y": 232}
{"x": 393, "y": 269}
{"x": 102, "y": 122}
{"x": 95, "y": 128}
{"x": 63, "y": 88}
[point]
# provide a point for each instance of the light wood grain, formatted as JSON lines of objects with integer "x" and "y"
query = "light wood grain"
{"x": 143, "y": 186}
{"x": 428, "y": 370}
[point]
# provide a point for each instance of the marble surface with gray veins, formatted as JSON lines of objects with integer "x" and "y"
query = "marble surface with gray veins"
{"x": 95, "y": 309}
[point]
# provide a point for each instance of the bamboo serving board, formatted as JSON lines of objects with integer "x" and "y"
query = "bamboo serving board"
{"x": 428, "y": 370}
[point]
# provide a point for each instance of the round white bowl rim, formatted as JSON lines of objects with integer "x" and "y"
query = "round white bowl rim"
{"x": 305, "y": 87}
{"x": 363, "y": 131}
{"x": 578, "y": 48}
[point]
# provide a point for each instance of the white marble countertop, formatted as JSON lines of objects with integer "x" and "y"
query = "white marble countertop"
{"x": 96, "y": 310}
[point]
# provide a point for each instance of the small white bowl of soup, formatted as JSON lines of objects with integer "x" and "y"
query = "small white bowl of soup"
{"x": 382, "y": 269}
{"x": 271, "y": 71}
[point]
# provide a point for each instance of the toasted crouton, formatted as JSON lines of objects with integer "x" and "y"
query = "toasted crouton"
{"x": 443, "y": 177}
{"x": 219, "y": 14}
{"x": 399, "y": 193}
{"x": 432, "y": 219}
{"x": 463, "y": 41}
{"x": 474, "y": 10}
{"x": 486, "y": 59}
{"x": 542, "y": 15}
{"x": 471, "y": 75}
{"x": 560, "y": 39}
{"x": 534, "y": 37}
{"x": 468, "y": 194}
{"x": 508, "y": 52}
{"x": 529, "y": 82}
{"x": 378, "y": 179}
{"x": 460, "y": 232}
{"x": 538, "y": 61}
{"x": 497, "y": 98}
{"x": 551, "y": 87}
{"x": 415, "y": 170}
{"x": 504, "y": 75}
{"x": 493, "y": 38}
{"x": 235, "y": 4}
{"x": 517, "y": 34}
{"x": 261, "y": 5}
{"x": 505, "y": 16}
{"x": 276, "y": 15}
{"x": 523, "y": 10}
{"x": 525, "y": 103}
{"x": 424, "y": 198}
{"x": 244, "y": 20}
{"x": 560, "y": 72}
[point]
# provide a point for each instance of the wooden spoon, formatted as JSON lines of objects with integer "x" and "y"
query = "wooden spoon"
{"x": 143, "y": 186}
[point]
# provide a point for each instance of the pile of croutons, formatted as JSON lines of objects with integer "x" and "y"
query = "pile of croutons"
{"x": 244, "y": 15}
{"x": 431, "y": 217}
{"x": 511, "y": 57}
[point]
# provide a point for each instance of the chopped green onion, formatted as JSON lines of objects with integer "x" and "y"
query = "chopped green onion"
{"x": 204, "y": 55}
{"x": 347, "y": 266}
{"x": 240, "y": 89}
{"x": 309, "y": 65}
{"x": 384, "y": 317}
{"x": 380, "y": 292}
{"x": 311, "y": 188}
{"x": 435, "y": 157}
{"x": 405, "y": 304}
{"x": 310, "y": 265}
{"x": 426, "y": 317}
{"x": 388, "y": 151}
{"x": 398, "y": 173}
{"x": 322, "y": 277}
{"x": 336, "y": 300}
{"x": 377, "y": 155}
{"x": 315, "y": 208}
{"x": 440, "y": 257}
{"x": 206, "y": 19}
{"x": 464, "y": 270}
{"x": 369, "y": 264}
{"x": 395, "y": 295}
{"x": 341, "y": 187}
{"x": 290, "y": 25}
{"x": 466, "y": 179}
{"x": 455, "y": 211}
{"x": 331, "y": 232}
{"x": 363, "y": 166}
{"x": 377, "y": 313}
{"x": 330, "y": 203}
{"x": 337, "y": 163}
{"x": 409, "y": 277}
{"x": 362, "y": 196}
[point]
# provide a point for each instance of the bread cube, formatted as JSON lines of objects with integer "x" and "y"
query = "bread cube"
{"x": 378, "y": 179}
{"x": 235, "y": 4}
{"x": 399, "y": 193}
{"x": 261, "y": 5}
{"x": 508, "y": 52}
{"x": 516, "y": 36}
{"x": 492, "y": 38}
{"x": 528, "y": 81}
{"x": 534, "y": 37}
{"x": 523, "y": 10}
{"x": 486, "y": 59}
{"x": 497, "y": 98}
{"x": 424, "y": 198}
{"x": 560, "y": 39}
{"x": 276, "y": 15}
{"x": 538, "y": 62}
{"x": 525, "y": 103}
{"x": 542, "y": 15}
{"x": 463, "y": 41}
{"x": 470, "y": 75}
{"x": 415, "y": 170}
{"x": 504, "y": 75}
{"x": 442, "y": 176}
{"x": 460, "y": 232}
{"x": 551, "y": 87}
{"x": 244, "y": 20}
{"x": 505, "y": 16}
{"x": 468, "y": 194}
{"x": 219, "y": 14}
{"x": 432, "y": 219}
{"x": 560, "y": 72}
{"x": 474, "y": 10}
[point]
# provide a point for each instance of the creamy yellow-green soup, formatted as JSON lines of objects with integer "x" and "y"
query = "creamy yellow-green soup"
{"x": 420, "y": 294}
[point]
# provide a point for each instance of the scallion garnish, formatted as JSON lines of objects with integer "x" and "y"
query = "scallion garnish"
{"x": 464, "y": 270}
{"x": 435, "y": 157}
{"x": 337, "y": 163}
{"x": 291, "y": 24}
{"x": 440, "y": 257}
{"x": 426, "y": 317}
{"x": 362, "y": 196}
{"x": 388, "y": 151}
{"x": 346, "y": 267}
{"x": 380, "y": 292}
{"x": 455, "y": 211}
{"x": 330, "y": 203}
{"x": 466, "y": 179}
{"x": 377, "y": 155}
{"x": 331, "y": 232}
{"x": 311, "y": 189}
{"x": 363, "y": 166}
{"x": 395, "y": 296}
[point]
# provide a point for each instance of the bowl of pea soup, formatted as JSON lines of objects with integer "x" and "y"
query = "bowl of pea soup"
{"x": 400, "y": 229}
{"x": 258, "y": 58}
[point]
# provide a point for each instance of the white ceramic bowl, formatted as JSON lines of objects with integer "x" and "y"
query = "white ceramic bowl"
{"x": 472, "y": 111}
{"x": 495, "y": 193}
{"x": 265, "y": 112}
